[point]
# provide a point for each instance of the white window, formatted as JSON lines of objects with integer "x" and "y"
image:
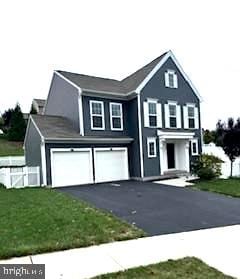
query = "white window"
{"x": 191, "y": 117}
{"x": 194, "y": 146}
{"x": 151, "y": 146}
{"x": 191, "y": 120}
{"x": 97, "y": 115}
{"x": 152, "y": 113}
{"x": 173, "y": 118}
{"x": 116, "y": 116}
{"x": 171, "y": 79}
{"x": 172, "y": 115}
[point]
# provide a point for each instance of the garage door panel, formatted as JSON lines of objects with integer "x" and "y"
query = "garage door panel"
{"x": 71, "y": 168}
{"x": 111, "y": 165}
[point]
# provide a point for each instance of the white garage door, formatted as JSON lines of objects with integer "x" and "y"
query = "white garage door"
{"x": 111, "y": 164}
{"x": 71, "y": 167}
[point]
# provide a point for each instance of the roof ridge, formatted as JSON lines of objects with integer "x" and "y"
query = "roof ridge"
{"x": 61, "y": 71}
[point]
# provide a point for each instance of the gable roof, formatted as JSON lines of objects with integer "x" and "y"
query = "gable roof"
{"x": 133, "y": 83}
{"x": 94, "y": 83}
{"x": 54, "y": 126}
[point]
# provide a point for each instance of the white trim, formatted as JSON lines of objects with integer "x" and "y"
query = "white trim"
{"x": 159, "y": 115}
{"x": 169, "y": 115}
{"x": 167, "y": 79}
{"x": 107, "y": 92}
{"x": 52, "y": 150}
{"x": 110, "y": 148}
{"x": 196, "y": 142}
{"x": 140, "y": 137}
{"x": 102, "y": 115}
{"x": 151, "y": 140}
{"x": 44, "y": 166}
{"x": 111, "y": 116}
{"x": 80, "y": 111}
{"x": 159, "y": 65}
{"x": 152, "y": 100}
{"x": 145, "y": 114}
{"x": 151, "y": 114}
{"x": 175, "y": 135}
{"x": 91, "y": 139}
{"x": 179, "y": 117}
{"x": 67, "y": 80}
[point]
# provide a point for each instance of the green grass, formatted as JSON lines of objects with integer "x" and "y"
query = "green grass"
{"x": 10, "y": 148}
{"x": 186, "y": 268}
{"x": 230, "y": 187}
{"x": 36, "y": 220}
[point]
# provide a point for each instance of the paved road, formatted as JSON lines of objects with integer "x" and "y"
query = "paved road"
{"x": 160, "y": 209}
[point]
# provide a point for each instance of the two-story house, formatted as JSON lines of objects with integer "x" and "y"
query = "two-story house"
{"x": 95, "y": 130}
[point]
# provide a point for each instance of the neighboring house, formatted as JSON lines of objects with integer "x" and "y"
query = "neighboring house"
{"x": 94, "y": 129}
{"x": 38, "y": 105}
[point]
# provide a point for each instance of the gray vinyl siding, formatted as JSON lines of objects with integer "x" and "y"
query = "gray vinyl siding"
{"x": 130, "y": 127}
{"x": 133, "y": 132}
{"x": 33, "y": 148}
{"x": 107, "y": 132}
{"x": 63, "y": 101}
{"x": 155, "y": 88}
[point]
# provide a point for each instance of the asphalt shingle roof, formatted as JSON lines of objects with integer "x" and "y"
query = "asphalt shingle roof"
{"x": 58, "y": 127}
{"x": 54, "y": 126}
{"x": 127, "y": 85}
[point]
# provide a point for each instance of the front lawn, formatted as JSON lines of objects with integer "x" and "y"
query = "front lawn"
{"x": 10, "y": 148}
{"x": 230, "y": 187}
{"x": 36, "y": 220}
{"x": 186, "y": 268}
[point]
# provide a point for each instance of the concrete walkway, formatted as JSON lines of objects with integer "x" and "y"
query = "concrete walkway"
{"x": 218, "y": 247}
{"x": 178, "y": 182}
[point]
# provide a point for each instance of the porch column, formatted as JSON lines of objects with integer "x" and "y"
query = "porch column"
{"x": 161, "y": 155}
{"x": 187, "y": 156}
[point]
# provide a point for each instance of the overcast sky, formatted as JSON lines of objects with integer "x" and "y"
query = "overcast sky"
{"x": 114, "y": 38}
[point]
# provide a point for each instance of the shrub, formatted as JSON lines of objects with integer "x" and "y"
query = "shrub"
{"x": 207, "y": 167}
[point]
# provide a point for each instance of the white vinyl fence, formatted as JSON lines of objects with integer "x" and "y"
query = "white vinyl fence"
{"x": 18, "y": 177}
{"x": 212, "y": 149}
{"x": 12, "y": 161}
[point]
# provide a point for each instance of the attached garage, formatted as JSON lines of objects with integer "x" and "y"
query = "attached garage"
{"x": 85, "y": 165}
{"x": 110, "y": 164}
{"x": 71, "y": 166}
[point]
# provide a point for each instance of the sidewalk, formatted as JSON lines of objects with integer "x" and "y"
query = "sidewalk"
{"x": 218, "y": 247}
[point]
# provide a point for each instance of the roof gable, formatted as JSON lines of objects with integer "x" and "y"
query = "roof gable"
{"x": 133, "y": 83}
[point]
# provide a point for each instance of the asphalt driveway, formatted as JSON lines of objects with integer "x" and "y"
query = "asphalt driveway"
{"x": 160, "y": 209}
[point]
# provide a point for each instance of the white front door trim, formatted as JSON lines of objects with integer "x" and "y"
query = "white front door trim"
{"x": 175, "y": 135}
{"x": 181, "y": 154}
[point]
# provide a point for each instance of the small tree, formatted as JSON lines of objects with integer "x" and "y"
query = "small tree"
{"x": 6, "y": 117}
{"x": 17, "y": 128}
{"x": 209, "y": 136}
{"x": 228, "y": 136}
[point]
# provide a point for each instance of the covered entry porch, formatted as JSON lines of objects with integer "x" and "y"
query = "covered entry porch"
{"x": 174, "y": 151}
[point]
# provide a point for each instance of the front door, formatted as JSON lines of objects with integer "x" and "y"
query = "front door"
{"x": 171, "y": 155}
